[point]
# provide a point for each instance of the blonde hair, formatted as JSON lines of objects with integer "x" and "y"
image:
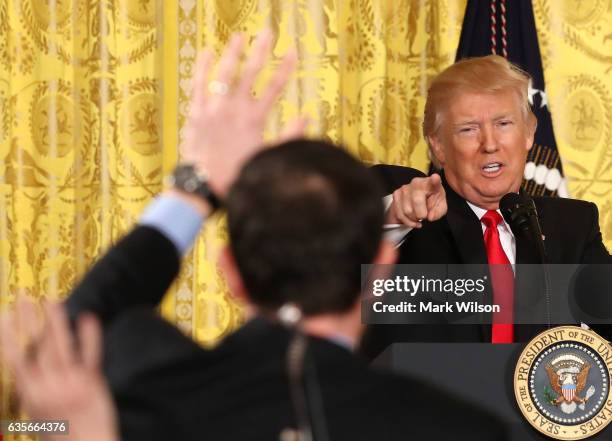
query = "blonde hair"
{"x": 489, "y": 74}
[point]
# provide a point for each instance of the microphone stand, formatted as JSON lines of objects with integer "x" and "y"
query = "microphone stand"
{"x": 522, "y": 215}
{"x": 539, "y": 241}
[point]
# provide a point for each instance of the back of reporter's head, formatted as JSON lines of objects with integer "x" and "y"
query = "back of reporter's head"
{"x": 302, "y": 218}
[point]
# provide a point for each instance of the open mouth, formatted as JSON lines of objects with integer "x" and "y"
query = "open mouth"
{"x": 492, "y": 168}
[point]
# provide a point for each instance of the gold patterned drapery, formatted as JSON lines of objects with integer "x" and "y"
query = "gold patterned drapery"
{"x": 576, "y": 43}
{"x": 80, "y": 136}
{"x": 94, "y": 93}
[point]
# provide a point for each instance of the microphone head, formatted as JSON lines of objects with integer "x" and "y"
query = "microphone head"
{"x": 510, "y": 202}
{"x": 515, "y": 209}
{"x": 520, "y": 212}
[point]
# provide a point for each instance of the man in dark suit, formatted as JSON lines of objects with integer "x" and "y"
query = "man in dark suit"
{"x": 295, "y": 261}
{"x": 479, "y": 127}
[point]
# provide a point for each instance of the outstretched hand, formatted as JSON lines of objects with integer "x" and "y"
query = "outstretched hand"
{"x": 422, "y": 198}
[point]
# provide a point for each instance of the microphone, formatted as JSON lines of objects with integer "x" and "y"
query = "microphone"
{"x": 520, "y": 212}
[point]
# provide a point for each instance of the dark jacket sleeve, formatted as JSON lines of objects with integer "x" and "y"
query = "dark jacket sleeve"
{"x": 393, "y": 177}
{"x": 595, "y": 251}
{"x": 137, "y": 271}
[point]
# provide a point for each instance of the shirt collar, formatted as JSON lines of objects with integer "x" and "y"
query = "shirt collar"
{"x": 342, "y": 341}
{"x": 480, "y": 212}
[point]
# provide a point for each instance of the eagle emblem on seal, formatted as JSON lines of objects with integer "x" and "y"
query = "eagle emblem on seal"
{"x": 568, "y": 376}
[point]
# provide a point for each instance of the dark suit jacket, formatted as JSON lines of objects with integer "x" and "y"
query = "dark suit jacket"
{"x": 167, "y": 387}
{"x": 571, "y": 228}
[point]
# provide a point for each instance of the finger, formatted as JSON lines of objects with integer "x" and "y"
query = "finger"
{"x": 432, "y": 205}
{"x": 278, "y": 82}
{"x": 9, "y": 344}
{"x": 230, "y": 59}
{"x": 438, "y": 212}
{"x": 403, "y": 211}
{"x": 294, "y": 130}
{"x": 13, "y": 343}
{"x": 436, "y": 205}
{"x": 433, "y": 184}
{"x": 29, "y": 325}
{"x": 61, "y": 347}
{"x": 90, "y": 341}
{"x": 46, "y": 356}
{"x": 259, "y": 55}
{"x": 405, "y": 220}
{"x": 200, "y": 77}
{"x": 419, "y": 204}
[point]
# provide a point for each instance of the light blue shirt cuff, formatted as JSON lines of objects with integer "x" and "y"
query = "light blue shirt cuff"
{"x": 174, "y": 218}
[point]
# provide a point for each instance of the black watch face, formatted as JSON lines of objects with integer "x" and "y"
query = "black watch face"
{"x": 187, "y": 179}
{"x": 184, "y": 173}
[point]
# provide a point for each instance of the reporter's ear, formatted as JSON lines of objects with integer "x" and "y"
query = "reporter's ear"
{"x": 232, "y": 275}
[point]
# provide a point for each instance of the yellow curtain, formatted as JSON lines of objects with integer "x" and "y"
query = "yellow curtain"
{"x": 80, "y": 136}
{"x": 576, "y": 44}
{"x": 94, "y": 93}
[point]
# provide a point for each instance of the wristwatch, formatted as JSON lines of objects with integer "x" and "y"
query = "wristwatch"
{"x": 187, "y": 178}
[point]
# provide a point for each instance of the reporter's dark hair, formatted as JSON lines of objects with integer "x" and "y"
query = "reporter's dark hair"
{"x": 302, "y": 218}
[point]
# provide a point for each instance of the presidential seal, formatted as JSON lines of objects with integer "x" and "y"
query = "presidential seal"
{"x": 562, "y": 383}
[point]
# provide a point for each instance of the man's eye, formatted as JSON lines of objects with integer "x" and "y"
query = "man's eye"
{"x": 466, "y": 129}
{"x": 504, "y": 123}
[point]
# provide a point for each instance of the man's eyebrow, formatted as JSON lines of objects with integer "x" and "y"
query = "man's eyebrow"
{"x": 467, "y": 122}
{"x": 497, "y": 117}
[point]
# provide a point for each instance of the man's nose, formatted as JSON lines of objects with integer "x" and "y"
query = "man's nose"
{"x": 488, "y": 140}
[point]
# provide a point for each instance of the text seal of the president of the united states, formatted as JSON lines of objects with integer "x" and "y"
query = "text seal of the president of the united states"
{"x": 562, "y": 383}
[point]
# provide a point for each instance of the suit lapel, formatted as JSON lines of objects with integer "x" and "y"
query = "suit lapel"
{"x": 465, "y": 228}
{"x": 466, "y": 231}
{"x": 525, "y": 250}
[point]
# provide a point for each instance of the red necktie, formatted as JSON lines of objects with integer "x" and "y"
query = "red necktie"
{"x": 502, "y": 280}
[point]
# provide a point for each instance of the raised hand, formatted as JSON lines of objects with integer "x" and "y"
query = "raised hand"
{"x": 54, "y": 378}
{"x": 423, "y": 198}
{"x": 226, "y": 122}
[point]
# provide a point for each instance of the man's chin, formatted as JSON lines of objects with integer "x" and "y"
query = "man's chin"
{"x": 487, "y": 197}
{"x": 495, "y": 189}
{"x": 487, "y": 192}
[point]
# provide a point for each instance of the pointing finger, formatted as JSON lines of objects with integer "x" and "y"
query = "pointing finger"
{"x": 434, "y": 184}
